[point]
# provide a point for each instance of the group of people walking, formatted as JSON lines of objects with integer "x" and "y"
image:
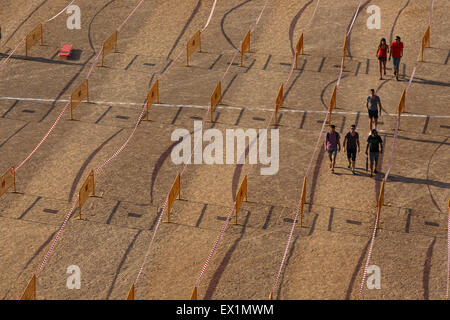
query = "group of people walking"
{"x": 351, "y": 140}
{"x": 351, "y": 144}
{"x": 374, "y": 146}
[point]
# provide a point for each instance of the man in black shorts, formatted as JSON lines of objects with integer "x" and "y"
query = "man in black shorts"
{"x": 372, "y": 103}
{"x": 375, "y": 142}
{"x": 351, "y": 143}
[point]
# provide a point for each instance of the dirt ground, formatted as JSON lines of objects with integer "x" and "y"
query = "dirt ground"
{"x": 327, "y": 256}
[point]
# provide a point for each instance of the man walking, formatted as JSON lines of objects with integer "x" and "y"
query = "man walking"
{"x": 397, "y": 53}
{"x": 332, "y": 145}
{"x": 372, "y": 103}
{"x": 375, "y": 142}
{"x": 351, "y": 142}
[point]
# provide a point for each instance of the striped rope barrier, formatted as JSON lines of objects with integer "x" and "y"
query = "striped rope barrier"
{"x": 293, "y": 55}
{"x": 388, "y": 171}
{"x": 98, "y": 169}
{"x": 307, "y": 172}
{"x": 23, "y": 40}
{"x": 141, "y": 269}
{"x": 225, "y": 225}
{"x": 94, "y": 63}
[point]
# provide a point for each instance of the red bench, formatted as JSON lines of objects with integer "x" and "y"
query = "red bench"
{"x": 65, "y": 51}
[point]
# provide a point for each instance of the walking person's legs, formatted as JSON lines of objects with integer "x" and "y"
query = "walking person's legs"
{"x": 373, "y": 117}
{"x": 353, "y": 161}
{"x": 334, "y": 160}
{"x": 349, "y": 157}
{"x": 396, "y": 66}
{"x": 330, "y": 157}
{"x": 376, "y": 161}
{"x": 372, "y": 158}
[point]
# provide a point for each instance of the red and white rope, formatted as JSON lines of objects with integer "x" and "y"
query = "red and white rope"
{"x": 288, "y": 243}
{"x": 388, "y": 170}
{"x": 102, "y": 166}
{"x": 293, "y": 57}
{"x": 225, "y": 225}
{"x": 308, "y": 170}
{"x": 347, "y": 34}
{"x": 354, "y": 18}
{"x": 163, "y": 208}
{"x": 44, "y": 138}
{"x": 259, "y": 17}
{"x": 97, "y": 170}
{"x": 94, "y": 63}
{"x": 431, "y": 12}
{"x": 372, "y": 241}
{"x": 58, "y": 235}
{"x": 57, "y": 15}
{"x": 12, "y": 52}
{"x": 23, "y": 40}
{"x": 210, "y": 15}
{"x": 129, "y": 16}
{"x": 313, "y": 15}
{"x": 181, "y": 174}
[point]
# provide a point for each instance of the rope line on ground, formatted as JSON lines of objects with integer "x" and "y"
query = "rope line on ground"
{"x": 141, "y": 269}
{"x": 98, "y": 169}
{"x": 388, "y": 170}
{"x": 23, "y": 40}
{"x": 225, "y": 225}
{"x": 280, "y": 269}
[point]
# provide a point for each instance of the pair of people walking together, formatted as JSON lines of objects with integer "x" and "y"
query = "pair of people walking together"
{"x": 395, "y": 52}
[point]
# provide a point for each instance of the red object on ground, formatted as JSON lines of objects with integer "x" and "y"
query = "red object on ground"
{"x": 65, "y": 51}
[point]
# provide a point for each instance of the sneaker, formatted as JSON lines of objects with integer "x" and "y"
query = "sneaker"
{"x": 375, "y": 171}
{"x": 348, "y": 166}
{"x": 353, "y": 171}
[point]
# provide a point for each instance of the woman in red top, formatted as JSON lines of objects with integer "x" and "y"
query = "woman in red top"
{"x": 382, "y": 52}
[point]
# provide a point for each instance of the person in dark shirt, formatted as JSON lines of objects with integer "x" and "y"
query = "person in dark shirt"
{"x": 375, "y": 143}
{"x": 351, "y": 143}
{"x": 373, "y": 103}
